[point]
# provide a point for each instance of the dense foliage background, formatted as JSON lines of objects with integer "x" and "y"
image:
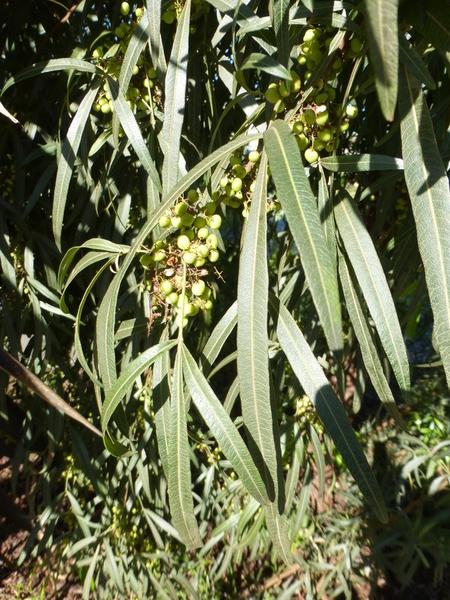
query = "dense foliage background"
{"x": 225, "y": 257}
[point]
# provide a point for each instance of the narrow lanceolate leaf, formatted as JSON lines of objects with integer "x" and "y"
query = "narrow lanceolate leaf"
{"x": 132, "y": 131}
{"x": 382, "y": 29}
{"x": 366, "y": 341}
{"x": 252, "y": 356}
{"x": 154, "y": 37}
{"x": 66, "y": 162}
{"x": 372, "y": 280}
{"x": 107, "y": 310}
{"x": 161, "y": 405}
{"x": 50, "y": 66}
{"x": 361, "y": 162}
{"x": 412, "y": 59}
{"x": 223, "y": 428}
{"x": 180, "y": 493}
{"x": 428, "y": 189}
{"x": 127, "y": 378}
{"x": 280, "y": 20}
{"x": 329, "y": 408}
{"x": 252, "y": 340}
{"x": 219, "y": 336}
{"x": 265, "y": 63}
{"x": 175, "y": 95}
{"x": 296, "y": 197}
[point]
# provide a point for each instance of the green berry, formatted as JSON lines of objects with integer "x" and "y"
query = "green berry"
{"x": 279, "y": 106}
{"x": 272, "y": 94}
{"x": 310, "y": 35}
{"x": 236, "y": 184}
{"x": 176, "y": 222}
{"x": 105, "y": 108}
{"x": 297, "y": 127}
{"x": 210, "y": 208}
{"x": 172, "y": 299}
{"x": 356, "y": 45}
{"x": 192, "y": 196}
{"x": 139, "y": 12}
{"x": 199, "y": 222}
{"x": 164, "y": 222}
{"x": 199, "y": 261}
{"x": 208, "y": 305}
{"x": 146, "y": 260}
{"x": 183, "y": 242}
{"x": 239, "y": 171}
{"x": 324, "y": 135}
{"x": 159, "y": 255}
{"x": 213, "y": 256}
{"x": 166, "y": 287}
{"x": 302, "y": 142}
{"x": 124, "y": 8}
{"x": 351, "y": 110}
{"x": 344, "y": 126}
{"x": 202, "y": 233}
{"x": 189, "y": 258}
{"x": 202, "y": 250}
{"x": 187, "y": 220}
{"x": 322, "y": 115}
{"x": 223, "y": 182}
{"x": 215, "y": 221}
{"x": 283, "y": 90}
{"x": 211, "y": 241}
{"x": 180, "y": 209}
{"x": 308, "y": 116}
{"x": 198, "y": 287}
{"x": 254, "y": 156}
{"x": 311, "y": 155}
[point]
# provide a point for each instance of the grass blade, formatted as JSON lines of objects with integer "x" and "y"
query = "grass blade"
{"x": 299, "y": 204}
{"x": 428, "y": 189}
{"x": 372, "y": 280}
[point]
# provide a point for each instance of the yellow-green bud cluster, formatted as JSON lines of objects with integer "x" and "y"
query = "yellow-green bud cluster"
{"x": 190, "y": 244}
{"x": 305, "y": 412}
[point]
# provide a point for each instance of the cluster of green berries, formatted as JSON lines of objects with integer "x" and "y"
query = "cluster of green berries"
{"x": 305, "y": 412}
{"x": 190, "y": 245}
{"x": 321, "y": 119}
{"x": 212, "y": 456}
{"x": 238, "y": 183}
{"x": 144, "y": 90}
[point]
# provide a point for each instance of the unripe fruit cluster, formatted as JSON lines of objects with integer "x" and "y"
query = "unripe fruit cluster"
{"x": 190, "y": 244}
{"x": 173, "y": 11}
{"x": 144, "y": 89}
{"x": 321, "y": 120}
{"x": 305, "y": 412}
{"x": 238, "y": 183}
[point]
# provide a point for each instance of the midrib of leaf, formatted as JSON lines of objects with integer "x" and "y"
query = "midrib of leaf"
{"x": 311, "y": 243}
{"x": 343, "y": 206}
{"x": 431, "y": 206}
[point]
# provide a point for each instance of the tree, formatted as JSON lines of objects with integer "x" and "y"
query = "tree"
{"x": 276, "y": 171}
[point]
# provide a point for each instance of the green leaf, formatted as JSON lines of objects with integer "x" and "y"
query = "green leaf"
{"x": 265, "y": 63}
{"x": 223, "y": 428}
{"x": 280, "y": 20}
{"x": 328, "y": 407}
{"x": 161, "y": 404}
{"x": 49, "y": 66}
{"x": 428, "y": 189}
{"x": 132, "y": 131}
{"x": 180, "y": 494}
{"x": 174, "y": 102}
{"x": 372, "y": 280}
{"x": 412, "y": 59}
{"x": 354, "y": 163}
{"x": 252, "y": 340}
{"x": 154, "y": 36}
{"x": 107, "y": 309}
{"x": 382, "y": 31}
{"x": 219, "y": 336}
{"x": 66, "y": 162}
{"x": 297, "y": 200}
{"x": 127, "y": 378}
{"x": 366, "y": 341}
